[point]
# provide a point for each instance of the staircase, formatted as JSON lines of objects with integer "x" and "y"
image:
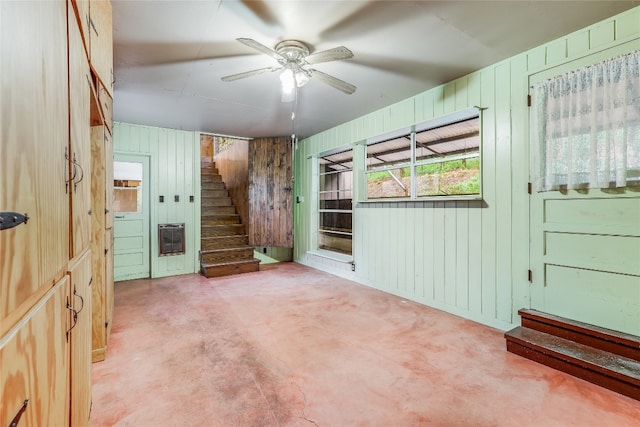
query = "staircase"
{"x": 602, "y": 356}
{"x": 224, "y": 246}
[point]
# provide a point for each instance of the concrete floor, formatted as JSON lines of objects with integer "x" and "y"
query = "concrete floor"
{"x": 293, "y": 346}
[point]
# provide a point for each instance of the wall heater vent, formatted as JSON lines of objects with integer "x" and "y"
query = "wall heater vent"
{"x": 171, "y": 238}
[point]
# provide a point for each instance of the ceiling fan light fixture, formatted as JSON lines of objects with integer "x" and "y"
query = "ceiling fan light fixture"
{"x": 302, "y": 78}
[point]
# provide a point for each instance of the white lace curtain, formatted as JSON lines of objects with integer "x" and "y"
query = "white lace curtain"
{"x": 585, "y": 127}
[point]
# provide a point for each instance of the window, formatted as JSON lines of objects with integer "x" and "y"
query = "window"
{"x": 437, "y": 158}
{"x": 335, "y": 195}
{"x": 127, "y": 187}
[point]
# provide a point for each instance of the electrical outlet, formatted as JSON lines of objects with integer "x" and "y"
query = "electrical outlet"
{"x": 353, "y": 266}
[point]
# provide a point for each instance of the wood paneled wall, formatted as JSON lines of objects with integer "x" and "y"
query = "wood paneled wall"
{"x": 233, "y": 165}
{"x": 271, "y": 192}
{"x": 465, "y": 257}
{"x": 175, "y": 170}
{"x": 206, "y": 146}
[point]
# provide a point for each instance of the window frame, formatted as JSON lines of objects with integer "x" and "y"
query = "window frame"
{"x": 320, "y": 231}
{"x": 413, "y": 163}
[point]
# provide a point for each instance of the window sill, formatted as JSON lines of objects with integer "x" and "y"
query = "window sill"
{"x": 335, "y": 256}
{"x": 423, "y": 199}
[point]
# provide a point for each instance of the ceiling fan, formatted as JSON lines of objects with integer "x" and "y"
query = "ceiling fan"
{"x": 293, "y": 57}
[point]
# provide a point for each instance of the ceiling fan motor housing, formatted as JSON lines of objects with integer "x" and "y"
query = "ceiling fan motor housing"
{"x": 293, "y": 51}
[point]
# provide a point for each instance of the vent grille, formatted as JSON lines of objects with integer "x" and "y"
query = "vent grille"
{"x": 171, "y": 238}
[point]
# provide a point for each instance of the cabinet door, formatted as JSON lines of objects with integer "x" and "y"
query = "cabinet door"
{"x": 34, "y": 364}
{"x": 98, "y": 194}
{"x": 108, "y": 283}
{"x": 108, "y": 170}
{"x": 101, "y": 43}
{"x": 35, "y": 134}
{"x": 80, "y": 341}
{"x": 81, "y": 10}
{"x": 79, "y": 96}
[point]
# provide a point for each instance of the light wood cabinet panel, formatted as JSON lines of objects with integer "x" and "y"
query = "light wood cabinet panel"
{"x": 106, "y": 104}
{"x": 80, "y": 88}
{"x": 80, "y": 340}
{"x": 81, "y": 12}
{"x": 34, "y": 363}
{"x": 34, "y": 128}
{"x": 108, "y": 170}
{"x": 102, "y": 240}
{"x": 101, "y": 42}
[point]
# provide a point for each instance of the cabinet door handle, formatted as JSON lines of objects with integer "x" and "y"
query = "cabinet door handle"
{"x": 119, "y": 216}
{"x": 14, "y": 422}
{"x": 76, "y": 294}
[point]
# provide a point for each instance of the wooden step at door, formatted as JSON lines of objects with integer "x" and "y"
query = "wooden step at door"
{"x": 604, "y": 339}
{"x": 211, "y": 178}
{"x": 602, "y": 356}
{"x": 216, "y": 256}
{"x": 222, "y": 242}
{"x": 617, "y": 373}
{"x": 229, "y": 268}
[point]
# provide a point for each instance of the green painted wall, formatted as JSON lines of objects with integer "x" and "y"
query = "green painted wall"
{"x": 175, "y": 170}
{"x": 465, "y": 257}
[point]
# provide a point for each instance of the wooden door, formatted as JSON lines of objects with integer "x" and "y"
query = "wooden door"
{"x": 35, "y": 135}
{"x": 34, "y": 363}
{"x": 108, "y": 283}
{"x": 270, "y": 192}
{"x": 81, "y": 10}
{"x": 108, "y": 180}
{"x": 80, "y": 340}
{"x": 80, "y": 141}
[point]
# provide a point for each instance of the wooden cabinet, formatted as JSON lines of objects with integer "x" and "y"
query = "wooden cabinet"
{"x": 102, "y": 243}
{"x": 80, "y": 8}
{"x": 80, "y": 339}
{"x": 101, "y": 42}
{"x": 49, "y": 101}
{"x": 34, "y": 363}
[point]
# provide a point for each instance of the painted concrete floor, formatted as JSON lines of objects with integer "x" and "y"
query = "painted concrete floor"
{"x": 293, "y": 346}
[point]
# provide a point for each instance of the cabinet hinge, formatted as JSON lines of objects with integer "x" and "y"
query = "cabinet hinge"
{"x": 106, "y": 324}
{"x": 530, "y": 276}
{"x": 529, "y": 187}
{"x": 528, "y": 100}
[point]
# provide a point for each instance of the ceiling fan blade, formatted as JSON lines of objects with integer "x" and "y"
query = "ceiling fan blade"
{"x": 335, "y": 54}
{"x": 246, "y": 74}
{"x": 261, "y": 48}
{"x": 345, "y": 87}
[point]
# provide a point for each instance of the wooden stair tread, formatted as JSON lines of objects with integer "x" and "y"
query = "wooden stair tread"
{"x": 600, "y": 361}
{"x": 582, "y": 328}
{"x": 226, "y": 263}
{"x": 233, "y": 248}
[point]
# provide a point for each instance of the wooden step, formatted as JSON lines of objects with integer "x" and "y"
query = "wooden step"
{"x": 208, "y": 194}
{"x": 209, "y": 170}
{"x": 229, "y": 268}
{"x": 614, "y": 372}
{"x": 216, "y": 201}
{"x": 217, "y": 210}
{"x": 216, "y": 256}
{"x": 222, "y": 230}
{"x": 221, "y": 242}
{"x": 615, "y": 342}
{"x": 216, "y": 185}
{"x": 218, "y": 219}
{"x": 211, "y": 178}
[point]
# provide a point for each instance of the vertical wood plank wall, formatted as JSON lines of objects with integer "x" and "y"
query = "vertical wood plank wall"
{"x": 233, "y": 165}
{"x": 466, "y": 257}
{"x": 270, "y": 192}
{"x": 175, "y": 170}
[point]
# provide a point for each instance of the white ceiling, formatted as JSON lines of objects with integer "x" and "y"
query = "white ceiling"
{"x": 170, "y": 55}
